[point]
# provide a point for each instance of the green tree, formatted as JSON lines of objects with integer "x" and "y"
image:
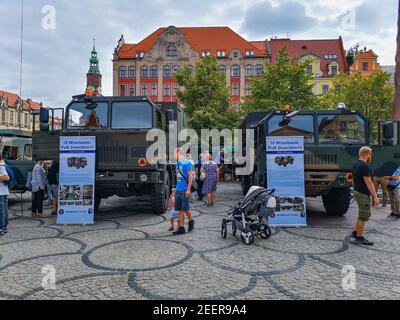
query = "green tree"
{"x": 371, "y": 95}
{"x": 206, "y": 96}
{"x": 283, "y": 83}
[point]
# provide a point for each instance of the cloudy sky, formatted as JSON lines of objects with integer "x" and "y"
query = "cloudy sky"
{"x": 56, "y": 59}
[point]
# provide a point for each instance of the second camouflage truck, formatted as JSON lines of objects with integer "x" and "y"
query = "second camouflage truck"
{"x": 120, "y": 125}
{"x": 332, "y": 142}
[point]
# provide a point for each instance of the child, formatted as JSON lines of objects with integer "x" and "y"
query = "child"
{"x": 174, "y": 213}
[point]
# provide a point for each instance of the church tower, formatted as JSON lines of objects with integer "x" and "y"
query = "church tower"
{"x": 93, "y": 77}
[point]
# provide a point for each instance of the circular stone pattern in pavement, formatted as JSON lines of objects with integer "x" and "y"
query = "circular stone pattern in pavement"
{"x": 137, "y": 255}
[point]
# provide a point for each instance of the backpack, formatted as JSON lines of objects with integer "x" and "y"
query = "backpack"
{"x": 10, "y": 174}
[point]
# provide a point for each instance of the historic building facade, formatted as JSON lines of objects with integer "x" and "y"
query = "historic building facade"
{"x": 94, "y": 77}
{"x": 364, "y": 62}
{"x": 147, "y": 68}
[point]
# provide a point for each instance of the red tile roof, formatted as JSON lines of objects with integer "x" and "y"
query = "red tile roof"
{"x": 320, "y": 48}
{"x": 13, "y": 98}
{"x": 213, "y": 39}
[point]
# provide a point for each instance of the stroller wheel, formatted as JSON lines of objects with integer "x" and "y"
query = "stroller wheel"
{"x": 265, "y": 232}
{"x": 247, "y": 239}
{"x": 224, "y": 230}
{"x": 234, "y": 229}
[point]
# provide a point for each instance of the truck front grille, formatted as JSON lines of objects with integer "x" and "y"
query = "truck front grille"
{"x": 115, "y": 154}
{"x": 313, "y": 159}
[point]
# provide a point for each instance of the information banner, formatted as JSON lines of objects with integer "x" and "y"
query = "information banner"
{"x": 77, "y": 180}
{"x": 285, "y": 174}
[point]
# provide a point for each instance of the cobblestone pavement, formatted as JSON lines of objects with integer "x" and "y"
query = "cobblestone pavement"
{"x": 129, "y": 254}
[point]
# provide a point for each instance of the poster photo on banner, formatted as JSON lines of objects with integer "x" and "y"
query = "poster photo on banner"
{"x": 77, "y": 180}
{"x": 285, "y": 174}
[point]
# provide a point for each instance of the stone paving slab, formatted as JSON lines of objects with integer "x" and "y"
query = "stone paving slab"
{"x": 129, "y": 254}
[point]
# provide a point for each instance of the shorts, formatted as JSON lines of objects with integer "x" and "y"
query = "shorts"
{"x": 54, "y": 191}
{"x": 364, "y": 206}
{"x": 181, "y": 202}
{"x": 174, "y": 214}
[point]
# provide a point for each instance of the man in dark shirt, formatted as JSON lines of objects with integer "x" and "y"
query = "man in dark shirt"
{"x": 363, "y": 191}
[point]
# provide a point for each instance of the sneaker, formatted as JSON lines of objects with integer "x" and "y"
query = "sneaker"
{"x": 5, "y": 230}
{"x": 171, "y": 229}
{"x": 391, "y": 215}
{"x": 363, "y": 241}
{"x": 191, "y": 226}
{"x": 181, "y": 230}
{"x": 354, "y": 234}
{"x": 2, "y": 233}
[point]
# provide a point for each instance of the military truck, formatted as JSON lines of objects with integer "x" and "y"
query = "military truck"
{"x": 120, "y": 125}
{"x": 332, "y": 142}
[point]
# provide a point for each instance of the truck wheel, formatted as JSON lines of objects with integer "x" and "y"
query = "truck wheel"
{"x": 159, "y": 200}
{"x": 245, "y": 184}
{"x": 337, "y": 201}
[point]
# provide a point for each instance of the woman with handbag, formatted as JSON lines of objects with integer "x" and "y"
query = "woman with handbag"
{"x": 209, "y": 173}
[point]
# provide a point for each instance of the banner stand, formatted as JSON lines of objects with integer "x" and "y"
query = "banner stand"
{"x": 285, "y": 174}
{"x": 77, "y": 181}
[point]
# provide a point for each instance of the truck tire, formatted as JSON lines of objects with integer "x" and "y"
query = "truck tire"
{"x": 337, "y": 201}
{"x": 245, "y": 184}
{"x": 159, "y": 200}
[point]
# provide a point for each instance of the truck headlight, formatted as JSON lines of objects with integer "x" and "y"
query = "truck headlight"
{"x": 144, "y": 178}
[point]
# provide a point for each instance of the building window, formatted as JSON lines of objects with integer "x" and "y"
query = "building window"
{"x": 249, "y": 70}
{"x": 132, "y": 91}
{"x": 325, "y": 89}
{"x": 248, "y": 89}
{"x": 222, "y": 69}
{"x": 235, "y": 71}
{"x": 154, "y": 72}
{"x": 221, "y": 54}
{"x": 172, "y": 51}
{"x": 26, "y": 119}
{"x": 132, "y": 72}
{"x": 122, "y": 92}
{"x": 167, "y": 72}
{"x": 154, "y": 89}
{"x": 259, "y": 70}
{"x": 176, "y": 69}
{"x": 334, "y": 70}
{"x": 144, "y": 72}
{"x": 205, "y": 53}
{"x": 175, "y": 89}
{"x": 250, "y": 53}
{"x": 235, "y": 89}
{"x": 144, "y": 89}
{"x": 122, "y": 72}
{"x": 365, "y": 66}
{"x": 309, "y": 69}
{"x": 167, "y": 90}
{"x": 236, "y": 54}
{"x": 11, "y": 117}
{"x": 3, "y": 115}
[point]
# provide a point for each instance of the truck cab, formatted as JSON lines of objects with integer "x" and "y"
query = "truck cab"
{"x": 120, "y": 125}
{"x": 332, "y": 142}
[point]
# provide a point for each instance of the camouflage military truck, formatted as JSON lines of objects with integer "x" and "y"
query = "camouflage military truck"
{"x": 332, "y": 142}
{"x": 120, "y": 125}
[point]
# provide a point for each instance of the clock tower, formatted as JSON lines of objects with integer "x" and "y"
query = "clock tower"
{"x": 93, "y": 77}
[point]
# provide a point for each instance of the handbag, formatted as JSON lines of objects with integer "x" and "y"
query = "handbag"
{"x": 194, "y": 184}
{"x": 203, "y": 175}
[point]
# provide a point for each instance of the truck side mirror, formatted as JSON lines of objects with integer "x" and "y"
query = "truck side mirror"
{"x": 388, "y": 133}
{"x": 44, "y": 119}
{"x": 170, "y": 116}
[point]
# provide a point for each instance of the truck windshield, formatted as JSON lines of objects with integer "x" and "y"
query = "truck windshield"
{"x": 82, "y": 116}
{"x": 132, "y": 115}
{"x": 341, "y": 129}
{"x": 301, "y": 125}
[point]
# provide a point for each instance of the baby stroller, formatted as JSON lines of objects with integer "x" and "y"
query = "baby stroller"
{"x": 251, "y": 215}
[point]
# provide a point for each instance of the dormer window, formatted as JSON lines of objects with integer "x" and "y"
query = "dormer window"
{"x": 172, "y": 51}
{"x": 205, "y": 53}
{"x": 330, "y": 56}
{"x": 221, "y": 54}
{"x": 250, "y": 53}
{"x": 236, "y": 54}
{"x": 140, "y": 55}
{"x": 334, "y": 70}
{"x": 309, "y": 69}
